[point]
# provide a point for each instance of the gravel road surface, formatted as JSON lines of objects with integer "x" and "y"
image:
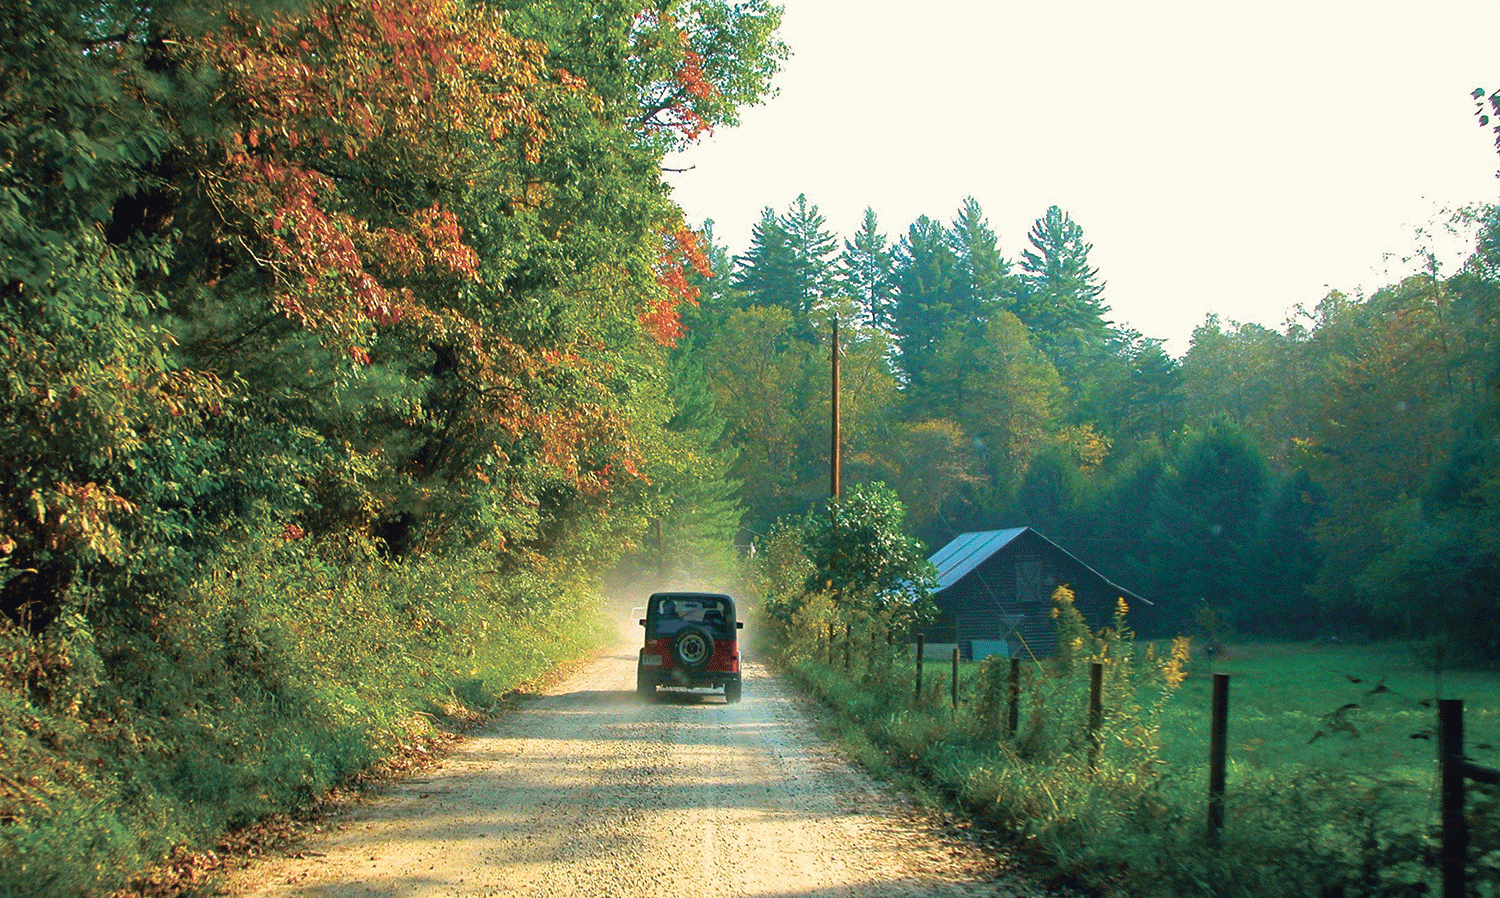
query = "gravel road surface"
{"x": 588, "y": 791}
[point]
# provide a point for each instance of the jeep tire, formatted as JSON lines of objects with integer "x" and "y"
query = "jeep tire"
{"x": 732, "y": 692}
{"x": 645, "y": 684}
{"x": 693, "y": 648}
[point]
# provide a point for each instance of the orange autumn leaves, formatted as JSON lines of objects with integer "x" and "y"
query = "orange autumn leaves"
{"x": 311, "y": 97}
{"x": 674, "y": 105}
{"x": 682, "y": 249}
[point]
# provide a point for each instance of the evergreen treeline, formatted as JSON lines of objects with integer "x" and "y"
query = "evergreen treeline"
{"x": 1337, "y": 476}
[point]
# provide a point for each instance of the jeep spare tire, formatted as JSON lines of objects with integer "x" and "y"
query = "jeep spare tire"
{"x": 692, "y": 648}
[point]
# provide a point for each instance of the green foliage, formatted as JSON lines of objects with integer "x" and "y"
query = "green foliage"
{"x": 1034, "y": 784}
{"x": 332, "y": 345}
{"x": 238, "y": 296}
{"x": 862, "y": 555}
{"x": 927, "y": 296}
{"x": 984, "y": 276}
{"x": 780, "y": 572}
{"x": 1002, "y": 390}
{"x": 1493, "y": 103}
{"x": 865, "y": 269}
{"x": 1151, "y": 407}
{"x": 1209, "y": 515}
{"x": 1048, "y": 494}
{"x": 694, "y": 504}
{"x": 1432, "y": 568}
{"x": 1060, "y": 294}
{"x": 297, "y": 666}
{"x": 1011, "y": 400}
{"x": 1252, "y": 376}
{"x": 768, "y": 372}
{"x": 950, "y": 283}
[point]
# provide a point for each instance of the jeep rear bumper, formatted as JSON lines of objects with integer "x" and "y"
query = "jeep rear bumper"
{"x": 651, "y": 675}
{"x": 708, "y": 679}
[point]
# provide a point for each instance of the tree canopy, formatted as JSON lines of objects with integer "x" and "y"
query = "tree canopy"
{"x": 401, "y": 271}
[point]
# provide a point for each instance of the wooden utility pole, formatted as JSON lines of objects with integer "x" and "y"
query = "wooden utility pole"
{"x": 833, "y": 477}
{"x": 835, "y": 472}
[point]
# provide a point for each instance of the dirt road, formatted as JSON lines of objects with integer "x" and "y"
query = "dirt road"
{"x": 588, "y": 791}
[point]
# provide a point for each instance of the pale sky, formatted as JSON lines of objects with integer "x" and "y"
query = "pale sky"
{"x": 1236, "y": 159}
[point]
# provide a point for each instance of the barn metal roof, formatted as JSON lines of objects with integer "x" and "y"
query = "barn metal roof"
{"x": 968, "y": 551}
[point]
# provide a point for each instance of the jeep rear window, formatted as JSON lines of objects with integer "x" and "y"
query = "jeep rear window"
{"x": 714, "y": 615}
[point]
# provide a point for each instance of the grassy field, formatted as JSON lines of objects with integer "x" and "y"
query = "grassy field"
{"x": 1362, "y": 709}
{"x": 1335, "y": 745}
{"x": 1331, "y": 783}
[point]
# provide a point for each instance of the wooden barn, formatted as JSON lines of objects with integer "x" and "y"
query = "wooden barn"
{"x": 994, "y": 594}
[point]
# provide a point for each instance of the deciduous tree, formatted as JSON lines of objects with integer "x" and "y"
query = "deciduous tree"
{"x": 861, "y": 551}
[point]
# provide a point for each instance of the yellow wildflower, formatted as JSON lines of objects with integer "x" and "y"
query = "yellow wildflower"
{"x": 1174, "y": 671}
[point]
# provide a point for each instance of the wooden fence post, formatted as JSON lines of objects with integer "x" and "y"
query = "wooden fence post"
{"x": 830, "y": 643}
{"x": 1096, "y": 712}
{"x": 1451, "y": 777}
{"x": 848, "y": 638}
{"x": 921, "y": 651}
{"x": 1013, "y": 697}
{"x": 1218, "y": 753}
{"x": 955, "y": 679}
{"x": 1453, "y": 770}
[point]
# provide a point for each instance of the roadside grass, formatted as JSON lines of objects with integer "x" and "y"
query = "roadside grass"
{"x": 129, "y": 736}
{"x": 1331, "y": 786}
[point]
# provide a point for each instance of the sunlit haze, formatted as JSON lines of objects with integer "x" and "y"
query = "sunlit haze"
{"x": 1237, "y": 161}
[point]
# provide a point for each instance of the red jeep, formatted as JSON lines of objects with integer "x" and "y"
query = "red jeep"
{"x": 692, "y": 640}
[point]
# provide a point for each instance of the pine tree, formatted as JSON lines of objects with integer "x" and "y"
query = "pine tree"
{"x": 928, "y": 295}
{"x": 790, "y": 261}
{"x": 762, "y": 273}
{"x": 1060, "y": 292}
{"x": 866, "y": 270}
{"x": 987, "y": 284}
